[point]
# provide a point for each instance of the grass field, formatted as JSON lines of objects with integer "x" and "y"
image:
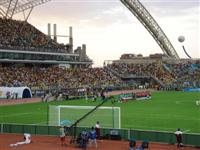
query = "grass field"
{"x": 166, "y": 111}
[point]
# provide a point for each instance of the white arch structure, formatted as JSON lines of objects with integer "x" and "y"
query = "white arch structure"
{"x": 141, "y": 13}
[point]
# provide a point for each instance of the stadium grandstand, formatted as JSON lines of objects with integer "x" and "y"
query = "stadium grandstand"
{"x": 157, "y": 71}
{"x": 21, "y": 42}
{"x": 33, "y": 59}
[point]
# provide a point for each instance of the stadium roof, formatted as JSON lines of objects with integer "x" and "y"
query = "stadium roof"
{"x": 8, "y": 8}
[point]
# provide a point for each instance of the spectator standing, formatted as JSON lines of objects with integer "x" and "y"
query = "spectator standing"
{"x": 16, "y": 95}
{"x": 8, "y": 94}
{"x": 97, "y": 128}
{"x": 93, "y": 137}
{"x": 84, "y": 139}
{"x": 62, "y": 136}
{"x": 132, "y": 144}
{"x": 103, "y": 94}
{"x": 178, "y": 135}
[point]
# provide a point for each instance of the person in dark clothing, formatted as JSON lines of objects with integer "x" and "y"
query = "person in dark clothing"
{"x": 97, "y": 128}
{"x": 178, "y": 135}
{"x": 84, "y": 139}
{"x": 132, "y": 144}
{"x": 79, "y": 140}
{"x": 93, "y": 137}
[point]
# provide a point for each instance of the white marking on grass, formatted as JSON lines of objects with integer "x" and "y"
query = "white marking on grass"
{"x": 20, "y": 114}
{"x": 148, "y": 127}
{"x": 186, "y": 131}
{"x": 41, "y": 123}
{"x": 13, "y": 115}
{"x": 167, "y": 117}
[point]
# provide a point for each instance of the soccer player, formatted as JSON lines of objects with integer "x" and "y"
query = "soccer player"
{"x": 27, "y": 140}
{"x": 198, "y": 102}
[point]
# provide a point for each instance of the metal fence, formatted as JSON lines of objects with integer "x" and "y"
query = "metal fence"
{"x": 125, "y": 134}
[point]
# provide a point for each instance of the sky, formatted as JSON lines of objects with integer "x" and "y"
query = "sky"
{"x": 109, "y": 29}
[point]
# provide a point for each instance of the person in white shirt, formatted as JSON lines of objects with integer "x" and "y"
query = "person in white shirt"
{"x": 62, "y": 136}
{"x": 178, "y": 135}
{"x": 27, "y": 140}
{"x": 97, "y": 128}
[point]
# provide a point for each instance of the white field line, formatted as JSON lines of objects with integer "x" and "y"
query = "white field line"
{"x": 41, "y": 123}
{"x": 186, "y": 131}
{"x": 18, "y": 114}
{"x": 13, "y": 115}
{"x": 146, "y": 116}
{"x": 166, "y": 117}
{"x": 155, "y": 128}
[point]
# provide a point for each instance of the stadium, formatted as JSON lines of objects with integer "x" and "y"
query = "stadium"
{"x": 51, "y": 90}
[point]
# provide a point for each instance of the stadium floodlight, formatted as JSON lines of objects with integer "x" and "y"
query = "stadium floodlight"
{"x": 109, "y": 117}
{"x": 8, "y": 8}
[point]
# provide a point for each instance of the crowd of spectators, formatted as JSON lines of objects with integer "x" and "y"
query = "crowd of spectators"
{"x": 185, "y": 74}
{"x": 54, "y": 76}
{"x": 182, "y": 74}
{"x": 179, "y": 74}
{"x": 20, "y": 35}
{"x": 140, "y": 70}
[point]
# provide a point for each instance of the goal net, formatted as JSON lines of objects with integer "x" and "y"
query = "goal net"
{"x": 109, "y": 117}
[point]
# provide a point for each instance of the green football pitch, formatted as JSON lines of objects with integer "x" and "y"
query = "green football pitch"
{"x": 166, "y": 111}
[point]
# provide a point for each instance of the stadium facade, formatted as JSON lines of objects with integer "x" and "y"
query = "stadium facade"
{"x": 33, "y": 46}
{"x": 22, "y": 43}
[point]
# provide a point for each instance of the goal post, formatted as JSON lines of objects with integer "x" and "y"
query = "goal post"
{"x": 53, "y": 115}
{"x": 109, "y": 117}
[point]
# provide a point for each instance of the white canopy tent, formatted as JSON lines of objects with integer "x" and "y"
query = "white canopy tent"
{"x": 15, "y": 92}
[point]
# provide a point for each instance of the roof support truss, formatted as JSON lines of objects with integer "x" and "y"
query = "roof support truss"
{"x": 8, "y": 8}
{"x": 141, "y": 13}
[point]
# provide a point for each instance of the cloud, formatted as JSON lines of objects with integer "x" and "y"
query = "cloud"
{"x": 171, "y": 7}
{"x": 109, "y": 29}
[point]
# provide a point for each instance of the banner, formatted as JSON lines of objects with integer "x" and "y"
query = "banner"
{"x": 143, "y": 95}
{"x": 191, "y": 89}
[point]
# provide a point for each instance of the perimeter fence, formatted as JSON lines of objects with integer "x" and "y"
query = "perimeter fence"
{"x": 116, "y": 134}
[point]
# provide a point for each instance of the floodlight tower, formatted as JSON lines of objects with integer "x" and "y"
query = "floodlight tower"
{"x": 142, "y": 14}
{"x": 8, "y": 8}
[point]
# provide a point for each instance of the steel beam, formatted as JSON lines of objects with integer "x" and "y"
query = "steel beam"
{"x": 145, "y": 18}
